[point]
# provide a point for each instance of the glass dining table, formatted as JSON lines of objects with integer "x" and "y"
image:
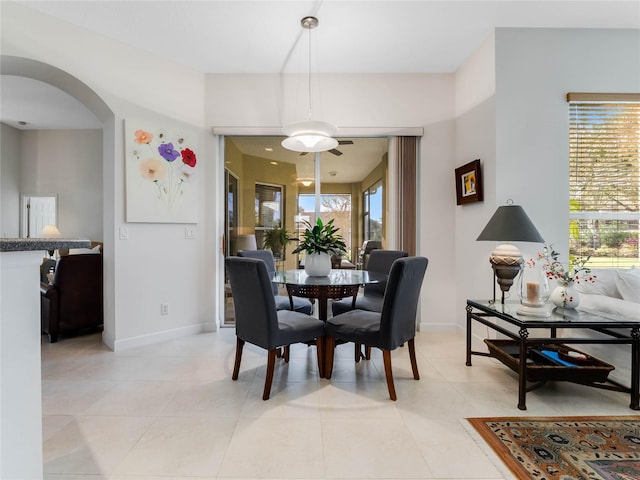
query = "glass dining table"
{"x": 338, "y": 284}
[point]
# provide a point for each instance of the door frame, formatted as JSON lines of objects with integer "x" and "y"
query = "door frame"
{"x": 221, "y": 132}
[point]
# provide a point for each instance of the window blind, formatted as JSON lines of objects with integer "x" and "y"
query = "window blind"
{"x": 268, "y": 205}
{"x": 604, "y": 178}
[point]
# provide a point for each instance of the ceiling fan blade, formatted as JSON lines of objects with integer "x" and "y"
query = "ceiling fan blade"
{"x": 303, "y": 153}
{"x": 336, "y": 152}
{"x": 345, "y": 142}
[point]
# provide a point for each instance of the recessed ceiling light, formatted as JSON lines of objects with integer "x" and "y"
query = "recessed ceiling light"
{"x": 273, "y": 163}
{"x": 22, "y": 122}
{"x": 268, "y": 149}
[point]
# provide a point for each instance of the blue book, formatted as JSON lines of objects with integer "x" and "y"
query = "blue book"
{"x": 553, "y": 355}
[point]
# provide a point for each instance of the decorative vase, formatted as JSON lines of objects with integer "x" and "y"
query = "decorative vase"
{"x": 565, "y": 295}
{"x": 317, "y": 264}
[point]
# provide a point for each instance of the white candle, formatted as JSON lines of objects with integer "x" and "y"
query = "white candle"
{"x": 533, "y": 291}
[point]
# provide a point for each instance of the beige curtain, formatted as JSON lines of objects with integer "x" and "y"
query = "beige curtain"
{"x": 406, "y": 207}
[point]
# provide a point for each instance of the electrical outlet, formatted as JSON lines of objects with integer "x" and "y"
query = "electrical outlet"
{"x": 164, "y": 309}
{"x": 124, "y": 233}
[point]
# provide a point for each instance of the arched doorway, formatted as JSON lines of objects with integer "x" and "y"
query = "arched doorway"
{"x": 48, "y": 74}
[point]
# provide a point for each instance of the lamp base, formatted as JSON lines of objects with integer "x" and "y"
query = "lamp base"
{"x": 504, "y": 274}
{"x": 539, "y": 311}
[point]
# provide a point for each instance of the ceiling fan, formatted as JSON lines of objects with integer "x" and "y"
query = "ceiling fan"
{"x": 335, "y": 151}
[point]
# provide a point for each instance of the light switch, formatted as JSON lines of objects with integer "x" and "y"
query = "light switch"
{"x": 124, "y": 233}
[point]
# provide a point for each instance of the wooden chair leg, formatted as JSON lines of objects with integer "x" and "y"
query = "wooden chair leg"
{"x": 320, "y": 348}
{"x": 357, "y": 352}
{"x": 386, "y": 356}
{"x": 330, "y": 345}
{"x": 412, "y": 357}
{"x": 367, "y": 352}
{"x": 236, "y": 366}
{"x": 287, "y": 350}
{"x": 271, "y": 363}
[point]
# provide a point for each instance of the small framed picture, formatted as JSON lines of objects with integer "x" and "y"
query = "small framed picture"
{"x": 469, "y": 183}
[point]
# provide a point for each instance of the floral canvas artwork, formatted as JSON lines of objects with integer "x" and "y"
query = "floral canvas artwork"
{"x": 161, "y": 174}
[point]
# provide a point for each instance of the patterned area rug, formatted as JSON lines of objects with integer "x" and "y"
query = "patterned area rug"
{"x": 565, "y": 448}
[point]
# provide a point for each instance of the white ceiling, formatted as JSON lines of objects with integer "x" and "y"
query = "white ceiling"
{"x": 265, "y": 36}
{"x": 375, "y": 36}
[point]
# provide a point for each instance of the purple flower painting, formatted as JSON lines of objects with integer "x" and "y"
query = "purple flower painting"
{"x": 167, "y": 152}
{"x": 161, "y": 182}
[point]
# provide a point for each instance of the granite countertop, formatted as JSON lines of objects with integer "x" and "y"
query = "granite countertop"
{"x": 29, "y": 244}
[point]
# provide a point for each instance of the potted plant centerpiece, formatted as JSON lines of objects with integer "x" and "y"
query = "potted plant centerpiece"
{"x": 319, "y": 242}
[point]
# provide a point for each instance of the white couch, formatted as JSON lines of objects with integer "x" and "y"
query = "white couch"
{"x": 616, "y": 294}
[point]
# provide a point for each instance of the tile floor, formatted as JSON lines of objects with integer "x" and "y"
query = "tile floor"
{"x": 171, "y": 411}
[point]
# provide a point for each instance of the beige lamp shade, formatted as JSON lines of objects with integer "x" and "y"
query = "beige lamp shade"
{"x": 50, "y": 231}
{"x": 246, "y": 242}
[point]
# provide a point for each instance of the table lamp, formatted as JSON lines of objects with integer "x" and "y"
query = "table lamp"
{"x": 50, "y": 231}
{"x": 246, "y": 242}
{"x": 509, "y": 223}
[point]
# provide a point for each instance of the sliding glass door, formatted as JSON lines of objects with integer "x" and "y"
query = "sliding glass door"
{"x": 336, "y": 206}
{"x": 372, "y": 207}
{"x": 268, "y": 187}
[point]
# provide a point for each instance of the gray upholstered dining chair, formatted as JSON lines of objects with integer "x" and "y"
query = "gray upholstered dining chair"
{"x": 380, "y": 261}
{"x": 363, "y": 253}
{"x": 394, "y": 325}
{"x": 259, "y": 323}
{"x": 302, "y": 305}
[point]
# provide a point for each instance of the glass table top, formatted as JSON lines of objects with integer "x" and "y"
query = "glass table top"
{"x": 335, "y": 277}
{"x": 558, "y": 315}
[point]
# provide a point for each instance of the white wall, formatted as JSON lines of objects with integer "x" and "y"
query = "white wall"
{"x": 436, "y": 194}
{"x": 535, "y": 69}
{"x": 521, "y": 133}
{"x": 20, "y": 370}
{"x": 10, "y": 178}
{"x": 67, "y": 163}
{"x": 156, "y": 264}
{"x": 149, "y": 83}
{"x": 475, "y": 138}
{"x": 392, "y": 101}
{"x": 524, "y": 154}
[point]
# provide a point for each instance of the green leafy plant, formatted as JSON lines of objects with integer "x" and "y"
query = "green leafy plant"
{"x": 321, "y": 238}
{"x": 277, "y": 239}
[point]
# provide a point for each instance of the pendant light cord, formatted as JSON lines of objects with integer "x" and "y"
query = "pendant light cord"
{"x": 309, "y": 78}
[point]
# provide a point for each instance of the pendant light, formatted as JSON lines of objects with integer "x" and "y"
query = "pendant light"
{"x": 310, "y": 135}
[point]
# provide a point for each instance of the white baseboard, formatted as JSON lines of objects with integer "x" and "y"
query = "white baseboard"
{"x": 209, "y": 327}
{"x": 437, "y": 327}
{"x": 157, "y": 337}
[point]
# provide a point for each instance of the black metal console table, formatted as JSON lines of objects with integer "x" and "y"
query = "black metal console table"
{"x": 499, "y": 316}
